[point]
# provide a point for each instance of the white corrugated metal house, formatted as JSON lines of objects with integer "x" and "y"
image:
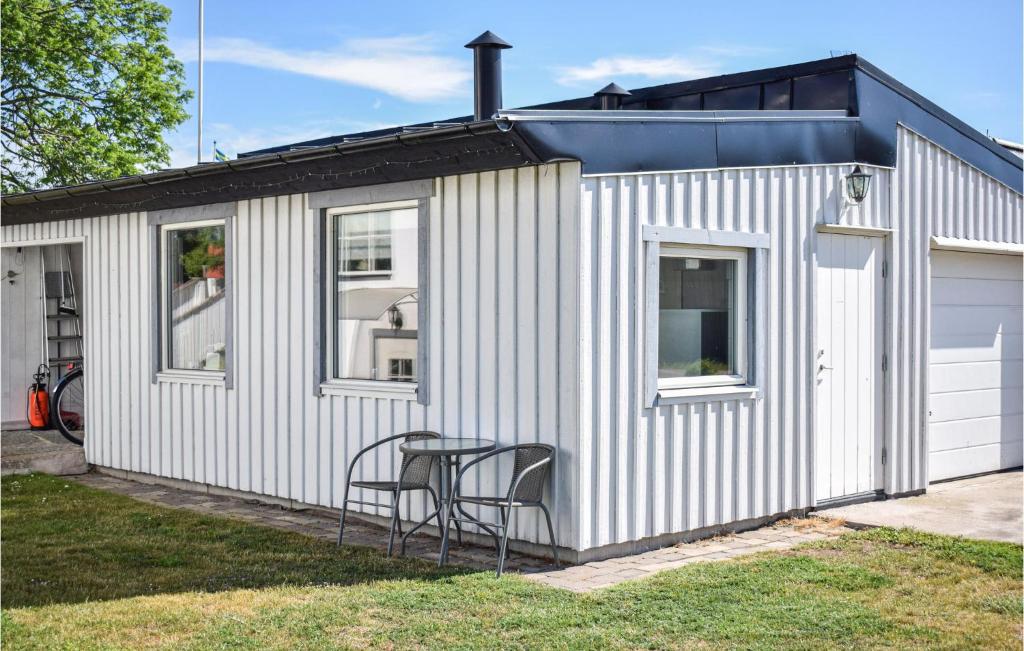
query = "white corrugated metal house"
{"x": 675, "y": 287}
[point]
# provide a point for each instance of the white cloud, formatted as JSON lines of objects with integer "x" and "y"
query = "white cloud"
{"x": 609, "y": 68}
{"x": 407, "y": 67}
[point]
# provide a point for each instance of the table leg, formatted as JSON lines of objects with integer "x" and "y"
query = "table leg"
{"x": 476, "y": 522}
{"x": 446, "y": 488}
{"x": 453, "y": 462}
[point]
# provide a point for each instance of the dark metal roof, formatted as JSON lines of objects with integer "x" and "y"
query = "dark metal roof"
{"x": 825, "y": 84}
{"x": 869, "y": 105}
{"x": 450, "y": 149}
{"x": 848, "y": 82}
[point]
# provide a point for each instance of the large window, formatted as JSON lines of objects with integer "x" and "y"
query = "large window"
{"x": 193, "y": 302}
{"x": 374, "y": 295}
{"x": 701, "y": 317}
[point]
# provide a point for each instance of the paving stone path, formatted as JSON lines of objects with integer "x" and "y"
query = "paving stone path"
{"x": 578, "y": 578}
{"x": 601, "y": 574}
{"x": 24, "y": 451}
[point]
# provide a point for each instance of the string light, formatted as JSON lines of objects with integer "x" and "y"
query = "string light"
{"x": 259, "y": 189}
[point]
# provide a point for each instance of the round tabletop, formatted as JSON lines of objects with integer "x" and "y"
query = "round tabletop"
{"x": 445, "y": 447}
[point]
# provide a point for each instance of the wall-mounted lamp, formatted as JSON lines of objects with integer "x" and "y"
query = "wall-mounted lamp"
{"x": 857, "y": 184}
{"x": 395, "y": 318}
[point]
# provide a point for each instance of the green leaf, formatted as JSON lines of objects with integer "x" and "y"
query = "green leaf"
{"x": 89, "y": 87}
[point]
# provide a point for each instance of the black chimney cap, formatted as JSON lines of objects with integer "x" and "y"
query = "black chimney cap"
{"x": 488, "y": 38}
{"x": 613, "y": 89}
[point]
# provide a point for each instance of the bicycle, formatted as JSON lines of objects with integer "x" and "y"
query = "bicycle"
{"x": 67, "y": 408}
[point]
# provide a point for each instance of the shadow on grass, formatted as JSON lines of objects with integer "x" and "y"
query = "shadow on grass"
{"x": 66, "y": 543}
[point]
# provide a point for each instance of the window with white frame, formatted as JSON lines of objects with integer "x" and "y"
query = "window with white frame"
{"x": 702, "y": 316}
{"x": 364, "y": 243}
{"x": 194, "y": 289}
{"x": 373, "y": 298}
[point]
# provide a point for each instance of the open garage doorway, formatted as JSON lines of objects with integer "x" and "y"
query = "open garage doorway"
{"x": 42, "y": 337}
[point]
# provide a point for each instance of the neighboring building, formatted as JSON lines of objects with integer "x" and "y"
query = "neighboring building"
{"x": 676, "y": 287}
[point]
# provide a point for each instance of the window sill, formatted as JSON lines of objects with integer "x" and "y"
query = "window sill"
{"x": 369, "y": 389}
{"x": 707, "y": 394}
{"x": 209, "y": 378}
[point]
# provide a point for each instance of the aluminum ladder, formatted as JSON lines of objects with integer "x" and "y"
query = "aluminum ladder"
{"x": 62, "y": 319}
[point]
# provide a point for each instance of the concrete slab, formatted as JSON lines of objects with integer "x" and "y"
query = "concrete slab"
{"x": 988, "y": 507}
{"x": 25, "y": 451}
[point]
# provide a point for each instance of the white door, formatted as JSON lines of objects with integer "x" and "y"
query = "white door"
{"x": 849, "y": 409}
{"x": 21, "y": 322}
{"x": 975, "y": 382}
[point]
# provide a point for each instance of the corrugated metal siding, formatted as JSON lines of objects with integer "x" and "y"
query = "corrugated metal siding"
{"x": 523, "y": 263}
{"x": 678, "y": 467}
{"x": 502, "y": 359}
{"x": 934, "y": 194}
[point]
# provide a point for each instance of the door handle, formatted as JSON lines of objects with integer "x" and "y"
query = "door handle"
{"x": 822, "y": 367}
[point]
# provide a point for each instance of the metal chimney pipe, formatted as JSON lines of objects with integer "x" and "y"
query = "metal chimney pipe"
{"x": 486, "y": 74}
{"x": 611, "y": 96}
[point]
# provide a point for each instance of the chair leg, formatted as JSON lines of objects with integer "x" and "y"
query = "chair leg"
{"x": 505, "y": 521}
{"x": 437, "y": 507}
{"x": 344, "y": 509}
{"x": 551, "y": 534}
{"x": 341, "y": 523}
{"x": 437, "y": 512}
{"x": 394, "y": 521}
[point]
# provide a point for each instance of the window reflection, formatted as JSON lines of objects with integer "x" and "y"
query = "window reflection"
{"x": 377, "y": 274}
{"x": 196, "y": 291}
{"x": 696, "y": 322}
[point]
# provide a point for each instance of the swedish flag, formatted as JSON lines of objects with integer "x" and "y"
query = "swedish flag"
{"x": 218, "y": 155}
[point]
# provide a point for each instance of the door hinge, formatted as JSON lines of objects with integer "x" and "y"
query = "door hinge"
{"x": 885, "y": 456}
{"x": 885, "y": 362}
{"x": 885, "y": 269}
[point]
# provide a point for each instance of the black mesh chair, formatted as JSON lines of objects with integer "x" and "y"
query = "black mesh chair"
{"x": 529, "y": 474}
{"x": 415, "y": 473}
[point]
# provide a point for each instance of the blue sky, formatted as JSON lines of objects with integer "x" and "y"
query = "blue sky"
{"x": 279, "y": 72}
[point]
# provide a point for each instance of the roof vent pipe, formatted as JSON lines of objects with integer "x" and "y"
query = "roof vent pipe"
{"x": 486, "y": 74}
{"x": 611, "y": 96}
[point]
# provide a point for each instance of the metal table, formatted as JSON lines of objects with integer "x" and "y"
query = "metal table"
{"x": 449, "y": 450}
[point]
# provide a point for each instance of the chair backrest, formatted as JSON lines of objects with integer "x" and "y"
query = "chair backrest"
{"x": 531, "y": 488}
{"x": 416, "y": 467}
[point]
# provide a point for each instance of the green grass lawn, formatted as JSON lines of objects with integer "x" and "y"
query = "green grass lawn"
{"x": 86, "y": 569}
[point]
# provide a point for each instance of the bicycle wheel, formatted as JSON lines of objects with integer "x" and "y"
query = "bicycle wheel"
{"x": 68, "y": 408}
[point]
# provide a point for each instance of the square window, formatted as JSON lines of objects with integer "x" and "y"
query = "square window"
{"x": 701, "y": 317}
{"x": 364, "y": 242}
{"x": 401, "y": 370}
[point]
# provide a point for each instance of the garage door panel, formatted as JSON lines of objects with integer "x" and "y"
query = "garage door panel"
{"x": 976, "y": 348}
{"x": 973, "y": 376}
{"x": 975, "y": 291}
{"x": 975, "y": 432}
{"x": 976, "y": 320}
{"x": 973, "y": 461}
{"x": 954, "y": 264}
{"x": 976, "y": 372}
{"x": 965, "y": 405}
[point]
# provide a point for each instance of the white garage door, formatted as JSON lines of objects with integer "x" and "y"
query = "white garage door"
{"x": 975, "y": 375}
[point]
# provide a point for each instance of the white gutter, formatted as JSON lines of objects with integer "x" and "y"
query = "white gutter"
{"x": 976, "y": 246}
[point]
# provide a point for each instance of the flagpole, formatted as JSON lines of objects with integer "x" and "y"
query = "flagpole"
{"x": 199, "y": 145}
